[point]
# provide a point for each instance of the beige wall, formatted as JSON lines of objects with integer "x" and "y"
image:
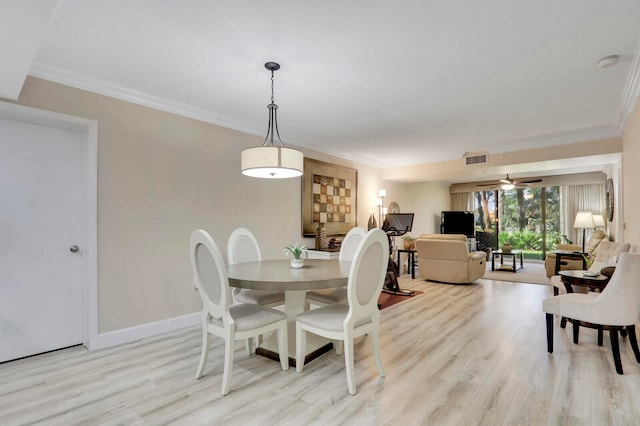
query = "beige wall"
{"x": 160, "y": 176}
{"x": 630, "y": 180}
{"x": 427, "y": 200}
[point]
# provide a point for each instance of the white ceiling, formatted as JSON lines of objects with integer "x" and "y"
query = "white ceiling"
{"x": 386, "y": 83}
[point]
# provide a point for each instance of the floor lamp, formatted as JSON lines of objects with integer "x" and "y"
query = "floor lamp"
{"x": 598, "y": 222}
{"x": 583, "y": 220}
{"x": 380, "y": 202}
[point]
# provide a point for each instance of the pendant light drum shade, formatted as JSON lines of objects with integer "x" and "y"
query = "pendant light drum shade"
{"x": 271, "y": 162}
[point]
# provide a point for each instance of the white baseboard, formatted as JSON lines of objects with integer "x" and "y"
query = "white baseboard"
{"x": 126, "y": 335}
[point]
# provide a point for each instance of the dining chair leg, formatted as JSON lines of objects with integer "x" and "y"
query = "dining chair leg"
{"x": 301, "y": 342}
{"x": 204, "y": 354}
{"x": 549, "y": 333}
{"x": 634, "y": 341}
{"x": 283, "y": 346}
{"x": 600, "y": 335}
{"x": 228, "y": 364}
{"x": 615, "y": 348}
{"x": 376, "y": 351}
{"x": 247, "y": 345}
{"x": 349, "y": 364}
{"x": 576, "y": 331}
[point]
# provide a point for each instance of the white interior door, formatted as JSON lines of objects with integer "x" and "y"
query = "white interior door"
{"x": 40, "y": 221}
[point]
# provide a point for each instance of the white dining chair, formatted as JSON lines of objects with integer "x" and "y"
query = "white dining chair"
{"x": 329, "y": 296}
{"x": 220, "y": 318}
{"x": 616, "y": 307}
{"x": 242, "y": 247}
{"x": 360, "y": 316}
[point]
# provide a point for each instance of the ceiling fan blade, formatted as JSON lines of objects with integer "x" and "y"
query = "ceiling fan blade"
{"x": 489, "y": 184}
{"x": 528, "y": 181}
{"x": 506, "y": 180}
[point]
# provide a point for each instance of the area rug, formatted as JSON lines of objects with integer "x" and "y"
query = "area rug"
{"x": 532, "y": 273}
{"x": 385, "y": 300}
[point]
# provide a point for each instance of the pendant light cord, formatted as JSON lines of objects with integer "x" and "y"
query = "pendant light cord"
{"x": 273, "y": 118}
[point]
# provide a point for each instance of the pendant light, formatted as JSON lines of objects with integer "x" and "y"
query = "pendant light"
{"x": 272, "y": 160}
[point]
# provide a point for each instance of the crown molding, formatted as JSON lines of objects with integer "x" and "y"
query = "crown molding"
{"x": 583, "y": 134}
{"x": 79, "y": 81}
{"x": 631, "y": 90}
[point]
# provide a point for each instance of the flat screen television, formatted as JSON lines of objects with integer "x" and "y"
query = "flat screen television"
{"x": 458, "y": 223}
{"x": 399, "y": 223}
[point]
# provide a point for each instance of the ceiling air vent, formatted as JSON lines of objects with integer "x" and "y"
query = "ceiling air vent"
{"x": 475, "y": 159}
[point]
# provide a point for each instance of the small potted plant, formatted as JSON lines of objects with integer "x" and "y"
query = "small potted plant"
{"x": 409, "y": 242}
{"x": 296, "y": 250}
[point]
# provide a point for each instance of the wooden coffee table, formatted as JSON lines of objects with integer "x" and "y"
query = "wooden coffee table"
{"x": 573, "y": 277}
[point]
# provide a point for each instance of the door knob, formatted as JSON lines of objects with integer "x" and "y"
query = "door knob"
{"x": 74, "y": 248}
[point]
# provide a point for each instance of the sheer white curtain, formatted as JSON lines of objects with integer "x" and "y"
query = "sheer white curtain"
{"x": 462, "y": 202}
{"x": 579, "y": 198}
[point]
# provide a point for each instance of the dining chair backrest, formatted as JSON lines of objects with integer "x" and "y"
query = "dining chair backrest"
{"x": 210, "y": 275}
{"x": 619, "y": 302}
{"x": 350, "y": 243}
{"x": 242, "y": 247}
{"x": 366, "y": 277}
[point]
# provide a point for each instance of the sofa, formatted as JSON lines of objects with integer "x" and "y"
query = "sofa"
{"x": 591, "y": 248}
{"x": 446, "y": 258}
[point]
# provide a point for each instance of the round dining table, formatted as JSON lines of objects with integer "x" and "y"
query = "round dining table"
{"x": 279, "y": 275}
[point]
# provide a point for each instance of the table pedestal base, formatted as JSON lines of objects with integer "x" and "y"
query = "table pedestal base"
{"x": 267, "y": 353}
{"x": 316, "y": 345}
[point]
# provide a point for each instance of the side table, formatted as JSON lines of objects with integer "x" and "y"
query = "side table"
{"x": 411, "y": 259}
{"x": 568, "y": 254}
{"x": 326, "y": 254}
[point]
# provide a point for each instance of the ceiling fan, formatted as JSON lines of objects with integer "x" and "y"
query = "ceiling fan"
{"x": 508, "y": 184}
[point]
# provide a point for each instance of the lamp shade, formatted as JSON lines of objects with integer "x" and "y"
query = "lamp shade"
{"x": 583, "y": 220}
{"x": 507, "y": 186}
{"x": 271, "y": 162}
{"x": 598, "y": 220}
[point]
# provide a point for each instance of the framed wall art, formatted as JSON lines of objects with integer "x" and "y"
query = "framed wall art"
{"x": 329, "y": 196}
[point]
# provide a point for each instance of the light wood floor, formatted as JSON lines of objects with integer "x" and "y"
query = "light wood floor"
{"x": 455, "y": 355}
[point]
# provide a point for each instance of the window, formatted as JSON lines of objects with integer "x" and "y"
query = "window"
{"x": 526, "y": 218}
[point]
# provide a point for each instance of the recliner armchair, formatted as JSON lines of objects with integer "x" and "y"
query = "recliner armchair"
{"x": 446, "y": 258}
{"x": 591, "y": 248}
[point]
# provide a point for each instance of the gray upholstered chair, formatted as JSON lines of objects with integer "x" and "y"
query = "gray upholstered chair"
{"x": 220, "y": 318}
{"x": 616, "y": 307}
{"x": 360, "y": 316}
